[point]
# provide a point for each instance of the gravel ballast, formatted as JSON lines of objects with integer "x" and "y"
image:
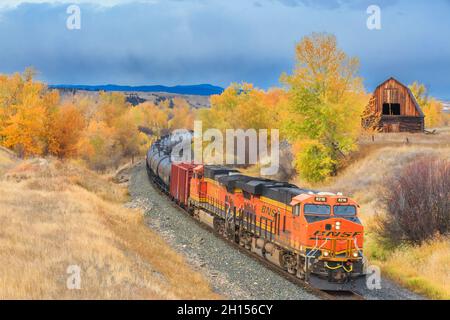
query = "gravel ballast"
{"x": 231, "y": 273}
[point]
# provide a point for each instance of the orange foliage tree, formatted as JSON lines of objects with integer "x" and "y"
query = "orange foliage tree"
{"x": 103, "y": 132}
{"x": 97, "y": 146}
{"x": 27, "y": 115}
{"x": 69, "y": 123}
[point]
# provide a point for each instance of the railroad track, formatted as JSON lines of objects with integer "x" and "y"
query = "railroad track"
{"x": 326, "y": 295}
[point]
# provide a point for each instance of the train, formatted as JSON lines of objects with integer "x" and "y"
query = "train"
{"x": 315, "y": 236}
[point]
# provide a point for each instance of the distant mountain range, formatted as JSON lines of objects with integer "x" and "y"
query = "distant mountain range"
{"x": 198, "y": 90}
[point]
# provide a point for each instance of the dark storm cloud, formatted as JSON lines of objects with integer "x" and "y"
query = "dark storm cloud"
{"x": 218, "y": 42}
{"x": 130, "y": 43}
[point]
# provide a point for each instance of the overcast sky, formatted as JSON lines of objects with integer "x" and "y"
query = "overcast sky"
{"x": 173, "y": 42}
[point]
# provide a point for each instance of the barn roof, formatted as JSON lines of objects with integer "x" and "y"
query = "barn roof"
{"x": 416, "y": 104}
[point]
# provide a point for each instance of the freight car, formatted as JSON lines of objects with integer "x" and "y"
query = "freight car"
{"x": 313, "y": 235}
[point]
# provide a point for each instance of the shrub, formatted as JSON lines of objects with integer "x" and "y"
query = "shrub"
{"x": 416, "y": 202}
{"x": 314, "y": 162}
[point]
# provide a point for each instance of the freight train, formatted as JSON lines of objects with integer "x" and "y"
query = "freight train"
{"x": 316, "y": 236}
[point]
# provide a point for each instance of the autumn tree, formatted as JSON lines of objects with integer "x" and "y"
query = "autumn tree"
{"x": 98, "y": 146}
{"x": 131, "y": 140}
{"x": 181, "y": 115}
{"x": 27, "y": 111}
{"x": 152, "y": 117}
{"x": 241, "y": 106}
{"x": 434, "y": 114}
{"x": 68, "y": 126}
{"x": 326, "y": 100}
{"x": 103, "y": 131}
{"x": 420, "y": 92}
{"x": 431, "y": 107}
{"x": 111, "y": 106}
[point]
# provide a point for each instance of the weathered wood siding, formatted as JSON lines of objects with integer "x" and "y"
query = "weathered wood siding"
{"x": 393, "y": 91}
{"x": 411, "y": 118}
{"x": 401, "y": 124}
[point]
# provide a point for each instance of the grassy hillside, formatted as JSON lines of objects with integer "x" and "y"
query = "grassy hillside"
{"x": 425, "y": 268}
{"x": 56, "y": 214}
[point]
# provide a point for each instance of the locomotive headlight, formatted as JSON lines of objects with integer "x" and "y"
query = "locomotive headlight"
{"x": 338, "y": 225}
{"x": 355, "y": 254}
{"x": 325, "y": 253}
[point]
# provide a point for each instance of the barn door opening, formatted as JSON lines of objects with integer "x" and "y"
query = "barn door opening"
{"x": 395, "y": 109}
{"x": 391, "y": 109}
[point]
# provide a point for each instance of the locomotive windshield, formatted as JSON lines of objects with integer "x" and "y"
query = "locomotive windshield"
{"x": 345, "y": 211}
{"x": 317, "y": 209}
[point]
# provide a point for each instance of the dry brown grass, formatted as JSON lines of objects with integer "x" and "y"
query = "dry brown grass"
{"x": 424, "y": 268}
{"x": 363, "y": 177}
{"x": 441, "y": 138}
{"x": 56, "y": 214}
{"x": 7, "y": 159}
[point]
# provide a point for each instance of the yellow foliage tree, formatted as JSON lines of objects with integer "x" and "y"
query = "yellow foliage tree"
{"x": 131, "y": 140}
{"x": 111, "y": 106}
{"x": 431, "y": 107}
{"x": 434, "y": 115}
{"x": 98, "y": 147}
{"x": 152, "y": 117}
{"x": 420, "y": 92}
{"x": 241, "y": 106}
{"x": 181, "y": 115}
{"x": 326, "y": 100}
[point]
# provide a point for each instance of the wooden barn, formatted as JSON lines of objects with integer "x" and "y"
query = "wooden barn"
{"x": 395, "y": 109}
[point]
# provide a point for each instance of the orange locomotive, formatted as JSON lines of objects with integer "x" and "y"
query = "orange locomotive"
{"x": 316, "y": 236}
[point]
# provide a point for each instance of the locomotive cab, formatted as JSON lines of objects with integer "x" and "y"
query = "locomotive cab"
{"x": 331, "y": 235}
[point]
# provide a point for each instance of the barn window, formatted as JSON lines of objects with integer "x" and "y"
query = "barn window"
{"x": 391, "y": 109}
{"x": 395, "y": 109}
